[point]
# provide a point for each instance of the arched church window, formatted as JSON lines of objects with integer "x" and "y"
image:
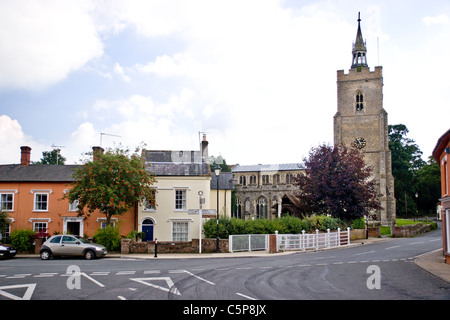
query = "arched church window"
{"x": 261, "y": 208}
{"x": 359, "y": 101}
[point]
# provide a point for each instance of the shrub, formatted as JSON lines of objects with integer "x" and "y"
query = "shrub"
{"x": 23, "y": 239}
{"x": 109, "y": 237}
{"x": 359, "y": 223}
{"x": 284, "y": 225}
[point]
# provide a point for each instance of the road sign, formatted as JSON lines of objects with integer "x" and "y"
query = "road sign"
{"x": 204, "y": 211}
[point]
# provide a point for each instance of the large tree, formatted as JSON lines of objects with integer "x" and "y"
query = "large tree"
{"x": 336, "y": 182}
{"x": 113, "y": 183}
{"x": 406, "y": 162}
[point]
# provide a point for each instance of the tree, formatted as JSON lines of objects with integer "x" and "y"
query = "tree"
{"x": 406, "y": 161}
{"x": 219, "y": 161}
{"x": 4, "y": 222}
{"x": 336, "y": 182}
{"x": 113, "y": 183}
{"x": 428, "y": 186}
{"x": 52, "y": 157}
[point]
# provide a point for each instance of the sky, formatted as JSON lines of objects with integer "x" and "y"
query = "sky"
{"x": 258, "y": 77}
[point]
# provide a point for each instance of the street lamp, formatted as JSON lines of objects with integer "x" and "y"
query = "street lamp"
{"x": 217, "y": 171}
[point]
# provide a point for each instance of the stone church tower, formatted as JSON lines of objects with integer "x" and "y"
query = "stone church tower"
{"x": 361, "y": 121}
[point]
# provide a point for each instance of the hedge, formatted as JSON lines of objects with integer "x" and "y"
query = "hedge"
{"x": 284, "y": 225}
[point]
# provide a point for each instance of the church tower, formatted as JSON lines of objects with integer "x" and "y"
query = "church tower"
{"x": 361, "y": 122}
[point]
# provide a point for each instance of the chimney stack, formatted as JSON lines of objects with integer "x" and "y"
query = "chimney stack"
{"x": 25, "y": 156}
{"x": 204, "y": 149}
{"x": 96, "y": 151}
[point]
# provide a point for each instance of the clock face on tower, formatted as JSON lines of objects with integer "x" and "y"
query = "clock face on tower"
{"x": 359, "y": 143}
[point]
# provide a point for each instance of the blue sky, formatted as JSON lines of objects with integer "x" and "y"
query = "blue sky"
{"x": 258, "y": 76}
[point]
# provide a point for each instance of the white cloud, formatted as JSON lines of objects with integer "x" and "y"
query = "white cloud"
{"x": 439, "y": 19}
{"x": 12, "y": 138}
{"x": 250, "y": 70}
{"x": 168, "y": 66}
{"x": 44, "y": 41}
{"x": 121, "y": 72}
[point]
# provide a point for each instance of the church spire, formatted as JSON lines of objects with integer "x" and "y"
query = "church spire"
{"x": 359, "y": 49}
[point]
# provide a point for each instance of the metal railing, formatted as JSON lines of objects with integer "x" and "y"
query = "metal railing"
{"x": 248, "y": 242}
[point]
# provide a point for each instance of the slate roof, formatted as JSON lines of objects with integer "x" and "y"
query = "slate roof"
{"x": 177, "y": 163}
{"x": 37, "y": 173}
{"x": 268, "y": 167}
{"x": 225, "y": 181}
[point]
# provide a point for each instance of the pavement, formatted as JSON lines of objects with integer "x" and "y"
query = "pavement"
{"x": 433, "y": 261}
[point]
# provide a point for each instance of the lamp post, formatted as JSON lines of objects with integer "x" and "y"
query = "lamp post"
{"x": 217, "y": 171}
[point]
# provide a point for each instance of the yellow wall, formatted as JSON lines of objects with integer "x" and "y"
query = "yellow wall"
{"x": 165, "y": 213}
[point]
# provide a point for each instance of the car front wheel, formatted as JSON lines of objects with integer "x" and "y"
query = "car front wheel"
{"x": 89, "y": 255}
{"x": 45, "y": 255}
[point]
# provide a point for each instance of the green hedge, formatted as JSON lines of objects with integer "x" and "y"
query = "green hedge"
{"x": 109, "y": 237}
{"x": 284, "y": 225}
{"x": 23, "y": 240}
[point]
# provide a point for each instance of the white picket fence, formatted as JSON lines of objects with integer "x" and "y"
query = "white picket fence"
{"x": 317, "y": 240}
{"x": 285, "y": 242}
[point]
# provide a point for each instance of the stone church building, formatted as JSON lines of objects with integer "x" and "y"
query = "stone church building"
{"x": 362, "y": 122}
{"x": 266, "y": 191}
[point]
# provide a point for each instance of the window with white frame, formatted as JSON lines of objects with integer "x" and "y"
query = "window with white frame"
{"x": 180, "y": 231}
{"x": 103, "y": 224}
{"x": 180, "y": 199}
{"x": 7, "y": 201}
{"x": 4, "y": 236}
{"x": 41, "y": 202}
{"x": 40, "y": 227}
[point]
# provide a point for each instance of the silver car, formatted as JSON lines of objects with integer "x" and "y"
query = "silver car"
{"x": 70, "y": 245}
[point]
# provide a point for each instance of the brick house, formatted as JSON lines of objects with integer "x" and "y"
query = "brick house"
{"x": 32, "y": 194}
{"x": 442, "y": 155}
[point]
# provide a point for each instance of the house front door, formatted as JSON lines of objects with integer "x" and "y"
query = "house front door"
{"x": 147, "y": 228}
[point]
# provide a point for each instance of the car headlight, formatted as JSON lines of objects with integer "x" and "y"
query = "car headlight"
{"x": 99, "y": 249}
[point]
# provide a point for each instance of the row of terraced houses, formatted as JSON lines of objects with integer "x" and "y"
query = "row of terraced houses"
{"x": 32, "y": 195}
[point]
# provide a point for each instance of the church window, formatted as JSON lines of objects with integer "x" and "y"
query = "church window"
{"x": 276, "y": 179}
{"x": 359, "y": 101}
{"x": 261, "y": 208}
{"x": 252, "y": 179}
{"x": 243, "y": 180}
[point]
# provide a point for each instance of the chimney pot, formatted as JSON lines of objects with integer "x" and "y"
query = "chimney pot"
{"x": 25, "y": 156}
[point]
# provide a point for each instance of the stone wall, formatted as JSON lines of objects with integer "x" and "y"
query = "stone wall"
{"x": 208, "y": 246}
{"x": 411, "y": 230}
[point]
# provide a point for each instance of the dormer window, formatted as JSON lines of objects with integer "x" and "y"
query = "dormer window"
{"x": 359, "y": 101}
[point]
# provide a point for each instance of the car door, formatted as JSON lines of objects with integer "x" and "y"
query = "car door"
{"x": 71, "y": 246}
{"x": 55, "y": 245}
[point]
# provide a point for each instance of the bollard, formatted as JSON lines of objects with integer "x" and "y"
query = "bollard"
{"x": 156, "y": 247}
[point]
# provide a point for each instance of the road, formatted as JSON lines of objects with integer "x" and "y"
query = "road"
{"x": 381, "y": 270}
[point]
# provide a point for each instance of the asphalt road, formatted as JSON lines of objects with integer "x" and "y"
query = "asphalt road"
{"x": 382, "y": 270}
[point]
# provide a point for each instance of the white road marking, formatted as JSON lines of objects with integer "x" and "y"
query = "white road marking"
{"x": 171, "y": 287}
{"x": 200, "y": 278}
{"x": 244, "y": 296}
{"x": 392, "y": 247}
{"x": 366, "y": 252}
